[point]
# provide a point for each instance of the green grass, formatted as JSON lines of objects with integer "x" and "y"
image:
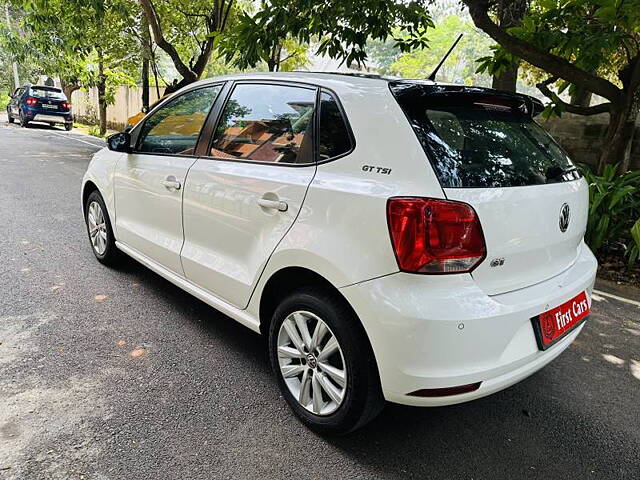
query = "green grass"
{"x": 93, "y": 130}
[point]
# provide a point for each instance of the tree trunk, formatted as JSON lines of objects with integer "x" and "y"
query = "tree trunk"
{"x": 69, "y": 88}
{"x": 102, "y": 101}
{"x": 581, "y": 97}
{"x": 618, "y": 137}
{"x": 510, "y": 13}
{"x": 506, "y": 81}
{"x": 146, "y": 54}
{"x": 175, "y": 86}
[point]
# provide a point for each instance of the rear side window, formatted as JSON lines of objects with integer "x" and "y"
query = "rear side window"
{"x": 266, "y": 123}
{"x": 479, "y": 140}
{"x": 334, "y": 134}
{"x": 175, "y": 127}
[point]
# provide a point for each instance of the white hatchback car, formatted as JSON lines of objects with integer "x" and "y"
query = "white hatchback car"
{"x": 394, "y": 239}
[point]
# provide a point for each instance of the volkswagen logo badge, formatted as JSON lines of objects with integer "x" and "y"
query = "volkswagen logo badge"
{"x": 565, "y": 215}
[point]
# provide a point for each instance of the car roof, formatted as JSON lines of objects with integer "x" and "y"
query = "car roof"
{"x": 331, "y": 80}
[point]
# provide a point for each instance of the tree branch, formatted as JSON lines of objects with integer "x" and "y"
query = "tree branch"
{"x": 555, "y": 65}
{"x": 158, "y": 37}
{"x": 596, "y": 109}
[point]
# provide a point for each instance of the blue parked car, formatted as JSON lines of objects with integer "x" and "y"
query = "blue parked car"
{"x": 39, "y": 103}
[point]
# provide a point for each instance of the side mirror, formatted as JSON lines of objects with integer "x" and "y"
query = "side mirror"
{"x": 119, "y": 142}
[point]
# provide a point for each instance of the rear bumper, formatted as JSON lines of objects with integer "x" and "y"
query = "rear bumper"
{"x": 432, "y": 332}
{"x": 51, "y": 117}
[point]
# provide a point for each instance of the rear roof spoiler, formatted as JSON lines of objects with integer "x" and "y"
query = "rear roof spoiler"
{"x": 526, "y": 103}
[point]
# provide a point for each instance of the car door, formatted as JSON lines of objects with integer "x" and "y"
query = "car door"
{"x": 148, "y": 183}
{"x": 242, "y": 198}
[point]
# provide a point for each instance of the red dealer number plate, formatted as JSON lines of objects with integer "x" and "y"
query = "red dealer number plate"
{"x": 552, "y": 325}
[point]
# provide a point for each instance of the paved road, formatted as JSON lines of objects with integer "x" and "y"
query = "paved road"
{"x": 200, "y": 403}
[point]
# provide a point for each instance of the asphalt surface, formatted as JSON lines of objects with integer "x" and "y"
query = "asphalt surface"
{"x": 111, "y": 374}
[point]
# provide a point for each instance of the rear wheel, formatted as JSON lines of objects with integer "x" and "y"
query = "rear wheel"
{"x": 23, "y": 121}
{"x": 68, "y": 126}
{"x": 10, "y": 118}
{"x": 324, "y": 363}
{"x": 99, "y": 229}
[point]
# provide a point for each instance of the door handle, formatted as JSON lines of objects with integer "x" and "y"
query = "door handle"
{"x": 275, "y": 204}
{"x": 171, "y": 183}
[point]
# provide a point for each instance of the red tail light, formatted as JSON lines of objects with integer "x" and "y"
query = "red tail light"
{"x": 435, "y": 236}
{"x": 65, "y": 105}
{"x": 30, "y": 101}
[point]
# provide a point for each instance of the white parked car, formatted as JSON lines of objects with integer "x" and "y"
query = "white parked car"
{"x": 408, "y": 241}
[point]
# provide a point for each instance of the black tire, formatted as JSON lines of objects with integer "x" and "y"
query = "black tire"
{"x": 363, "y": 398}
{"x": 111, "y": 255}
{"x": 10, "y": 118}
{"x": 24, "y": 123}
{"x": 68, "y": 126}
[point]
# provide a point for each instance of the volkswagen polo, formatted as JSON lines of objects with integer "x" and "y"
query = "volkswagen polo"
{"x": 399, "y": 240}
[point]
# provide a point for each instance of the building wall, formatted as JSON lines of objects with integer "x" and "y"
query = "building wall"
{"x": 582, "y": 137}
{"x": 128, "y": 102}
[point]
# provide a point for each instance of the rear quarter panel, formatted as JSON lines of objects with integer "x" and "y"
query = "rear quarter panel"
{"x": 341, "y": 232}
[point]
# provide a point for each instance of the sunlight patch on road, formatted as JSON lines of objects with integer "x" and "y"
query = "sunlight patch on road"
{"x": 613, "y": 359}
{"x": 598, "y": 294}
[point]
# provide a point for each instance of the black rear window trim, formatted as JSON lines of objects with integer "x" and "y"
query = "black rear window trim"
{"x": 345, "y": 119}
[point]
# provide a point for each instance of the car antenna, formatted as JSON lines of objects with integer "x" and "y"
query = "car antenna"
{"x": 432, "y": 76}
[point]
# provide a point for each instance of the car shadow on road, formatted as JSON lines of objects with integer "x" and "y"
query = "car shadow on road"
{"x": 215, "y": 325}
{"x": 531, "y": 430}
{"x": 43, "y": 126}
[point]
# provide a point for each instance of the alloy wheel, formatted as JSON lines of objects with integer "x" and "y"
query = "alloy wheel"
{"x": 311, "y": 363}
{"x": 97, "y": 228}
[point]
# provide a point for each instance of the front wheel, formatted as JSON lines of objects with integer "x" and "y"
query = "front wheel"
{"x": 103, "y": 242}
{"x": 323, "y": 362}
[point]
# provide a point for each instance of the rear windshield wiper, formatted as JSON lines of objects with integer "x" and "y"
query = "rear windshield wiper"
{"x": 556, "y": 172}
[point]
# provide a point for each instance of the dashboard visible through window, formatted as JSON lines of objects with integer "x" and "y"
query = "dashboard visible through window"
{"x": 175, "y": 127}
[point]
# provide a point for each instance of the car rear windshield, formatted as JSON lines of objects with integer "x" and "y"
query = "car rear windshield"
{"x": 43, "y": 92}
{"x": 479, "y": 138}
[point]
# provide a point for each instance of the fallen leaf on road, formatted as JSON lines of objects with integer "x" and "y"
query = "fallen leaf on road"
{"x": 100, "y": 298}
{"x": 121, "y": 343}
{"x": 57, "y": 287}
{"x": 138, "y": 352}
{"x": 25, "y": 270}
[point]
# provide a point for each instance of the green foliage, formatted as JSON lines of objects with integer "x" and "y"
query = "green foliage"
{"x": 343, "y": 28}
{"x": 497, "y": 63}
{"x": 69, "y": 38}
{"x": 460, "y": 66}
{"x": 4, "y": 99}
{"x": 614, "y": 210}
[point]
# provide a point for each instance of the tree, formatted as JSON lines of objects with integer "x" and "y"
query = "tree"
{"x": 460, "y": 67}
{"x": 83, "y": 43}
{"x": 509, "y": 15}
{"x": 342, "y": 27}
{"x": 591, "y": 45}
{"x": 187, "y": 29}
